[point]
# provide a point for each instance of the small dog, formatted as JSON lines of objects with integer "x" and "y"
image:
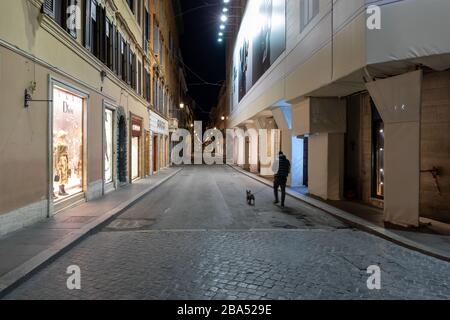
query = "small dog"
{"x": 250, "y": 198}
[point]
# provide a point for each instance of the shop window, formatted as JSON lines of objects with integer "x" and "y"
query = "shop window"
{"x": 309, "y": 9}
{"x": 377, "y": 154}
{"x": 67, "y": 144}
{"x": 109, "y": 138}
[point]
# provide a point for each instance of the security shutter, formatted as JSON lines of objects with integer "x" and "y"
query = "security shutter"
{"x": 49, "y": 8}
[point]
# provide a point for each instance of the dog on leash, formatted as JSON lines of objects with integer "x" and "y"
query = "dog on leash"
{"x": 251, "y": 201}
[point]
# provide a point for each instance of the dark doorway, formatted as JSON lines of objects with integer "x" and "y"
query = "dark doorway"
{"x": 377, "y": 154}
{"x": 122, "y": 149}
{"x": 305, "y": 161}
{"x": 155, "y": 153}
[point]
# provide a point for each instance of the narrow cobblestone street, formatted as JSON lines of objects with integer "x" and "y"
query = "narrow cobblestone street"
{"x": 196, "y": 238}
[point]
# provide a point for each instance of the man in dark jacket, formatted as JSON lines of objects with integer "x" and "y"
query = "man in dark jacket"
{"x": 284, "y": 168}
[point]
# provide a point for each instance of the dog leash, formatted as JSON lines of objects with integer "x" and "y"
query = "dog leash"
{"x": 255, "y": 193}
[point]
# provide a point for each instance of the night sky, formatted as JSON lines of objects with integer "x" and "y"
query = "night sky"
{"x": 202, "y": 53}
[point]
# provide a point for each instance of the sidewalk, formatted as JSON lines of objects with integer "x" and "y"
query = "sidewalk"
{"x": 25, "y": 250}
{"x": 435, "y": 241}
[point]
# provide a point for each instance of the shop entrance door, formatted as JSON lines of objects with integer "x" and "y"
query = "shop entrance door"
{"x": 147, "y": 153}
{"x": 136, "y": 140}
{"x": 155, "y": 153}
{"x": 122, "y": 148}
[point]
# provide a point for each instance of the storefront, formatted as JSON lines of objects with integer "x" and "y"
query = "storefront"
{"x": 136, "y": 141}
{"x": 159, "y": 131}
{"x": 68, "y": 144}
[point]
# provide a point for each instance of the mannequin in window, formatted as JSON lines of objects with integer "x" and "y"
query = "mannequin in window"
{"x": 62, "y": 162}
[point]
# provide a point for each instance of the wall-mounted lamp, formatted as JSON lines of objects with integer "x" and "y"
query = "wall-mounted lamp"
{"x": 28, "y": 98}
{"x": 103, "y": 75}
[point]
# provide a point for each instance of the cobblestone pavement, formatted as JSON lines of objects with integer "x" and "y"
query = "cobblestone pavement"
{"x": 194, "y": 238}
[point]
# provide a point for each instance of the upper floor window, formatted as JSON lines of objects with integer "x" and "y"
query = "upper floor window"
{"x": 161, "y": 50}
{"x": 155, "y": 37}
{"x": 64, "y": 13}
{"x": 131, "y": 4}
{"x": 146, "y": 29}
{"x": 309, "y": 9}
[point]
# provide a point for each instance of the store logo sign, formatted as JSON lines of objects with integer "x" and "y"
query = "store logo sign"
{"x": 374, "y": 17}
{"x": 67, "y": 109}
{"x": 136, "y": 128}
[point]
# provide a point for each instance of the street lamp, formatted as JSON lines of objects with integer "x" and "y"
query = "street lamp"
{"x": 181, "y": 105}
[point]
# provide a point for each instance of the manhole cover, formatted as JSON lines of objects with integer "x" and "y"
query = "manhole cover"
{"x": 130, "y": 224}
{"x": 80, "y": 219}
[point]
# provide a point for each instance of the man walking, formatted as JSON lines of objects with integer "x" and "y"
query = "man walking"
{"x": 284, "y": 168}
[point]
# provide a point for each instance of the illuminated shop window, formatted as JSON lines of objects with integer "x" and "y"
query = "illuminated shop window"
{"x": 109, "y": 131}
{"x": 67, "y": 144}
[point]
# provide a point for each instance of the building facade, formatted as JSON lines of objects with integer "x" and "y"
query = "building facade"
{"x": 355, "y": 93}
{"x": 87, "y": 88}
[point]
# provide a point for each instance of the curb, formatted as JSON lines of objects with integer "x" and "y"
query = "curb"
{"x": 16, "y": 276}
{"x": 357, "y": 222}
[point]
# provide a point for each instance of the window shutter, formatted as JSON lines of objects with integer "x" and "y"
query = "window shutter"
{"x": 49, "y": 8}
{"x": 99, "y": 28}
{"x": 127, "y": 64}
{"x": 113, "y": 47}
{"x": 118, "y": 54}
{"x": 103, "y": 35}
{"x": 139, "y": 84}
{"x": 120, "y": 58}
